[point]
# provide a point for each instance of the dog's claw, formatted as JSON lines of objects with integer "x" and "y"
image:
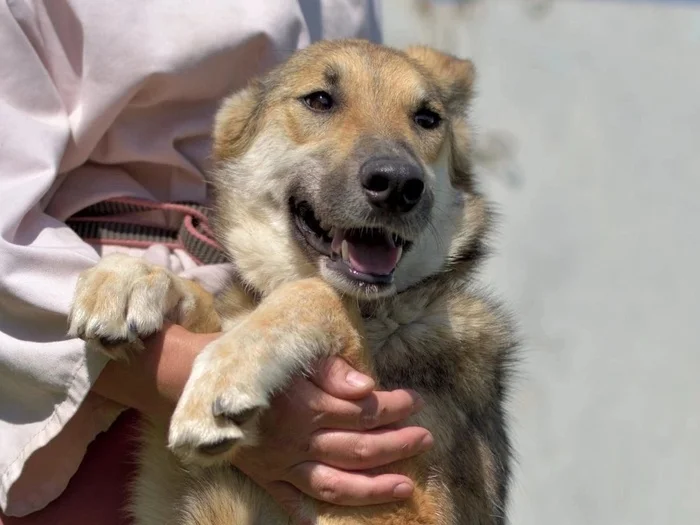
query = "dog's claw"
{"x": 217, "y": 448}
{"x": 109, "y": 341}
{"x": 221, "y": 410}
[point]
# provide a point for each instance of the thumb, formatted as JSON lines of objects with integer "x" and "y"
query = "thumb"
{"x": 290, "y": 499}
{"x": 336, "y": 377}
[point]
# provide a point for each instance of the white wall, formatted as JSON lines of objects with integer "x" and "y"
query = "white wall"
{"x": 599, "y": 251}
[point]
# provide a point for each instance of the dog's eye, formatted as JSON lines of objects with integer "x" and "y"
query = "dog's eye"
{"x": 319, "y": 101}
{"x": 427, "y": 119}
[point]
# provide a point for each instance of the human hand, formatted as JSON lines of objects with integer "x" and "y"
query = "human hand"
{"x": 322, "y": 434}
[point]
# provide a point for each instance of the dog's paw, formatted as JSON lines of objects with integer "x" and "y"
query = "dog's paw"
{"x": 234, "y": 378}
{"x": 122, "y": 300}
{"x": 220, "y": 407}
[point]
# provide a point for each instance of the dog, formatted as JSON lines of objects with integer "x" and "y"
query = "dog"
{"x": 344, "y": 192}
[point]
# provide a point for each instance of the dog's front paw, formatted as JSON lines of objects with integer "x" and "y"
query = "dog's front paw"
{"x": 122, "y": 300}
{"x": 219, "y": 409}
{"x": 234, "y": 377}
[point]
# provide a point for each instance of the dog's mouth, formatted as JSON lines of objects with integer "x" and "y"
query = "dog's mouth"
{"x": 364, "y": 255}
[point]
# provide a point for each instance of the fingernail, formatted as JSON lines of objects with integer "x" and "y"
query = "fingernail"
{"x": 357, "y": 379}
{"x": 418, "y": 403}
{"x": 403, "y": 490}
{"x": 427, "y": 442}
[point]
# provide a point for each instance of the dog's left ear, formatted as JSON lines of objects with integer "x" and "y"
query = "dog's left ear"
{"x": 454, "y": 76}
{"x": 455, "y": 79}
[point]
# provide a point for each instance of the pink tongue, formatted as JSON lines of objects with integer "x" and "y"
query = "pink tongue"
{"x": 375, "y": 260}
{"x": 376, "y": 256}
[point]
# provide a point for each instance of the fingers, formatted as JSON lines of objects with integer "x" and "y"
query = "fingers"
{"x": 378, "y": 409}
{"x": 337, "y": 378}
{"x": 326, "y": 483}
{"x": 315, "y": 443}
{"x": 367, "y": 450}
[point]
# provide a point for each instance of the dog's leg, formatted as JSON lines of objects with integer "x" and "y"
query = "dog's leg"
{"x": 235, "y": 376}
{"x": 122, "y": 300}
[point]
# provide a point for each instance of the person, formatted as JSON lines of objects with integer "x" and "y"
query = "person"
{"x": 100, "y": 100}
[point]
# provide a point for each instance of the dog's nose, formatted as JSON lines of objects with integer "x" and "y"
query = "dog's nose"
{"x": 392, "y": 184}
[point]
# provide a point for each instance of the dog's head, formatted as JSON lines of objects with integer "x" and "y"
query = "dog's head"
{"x": 350, "y": 160}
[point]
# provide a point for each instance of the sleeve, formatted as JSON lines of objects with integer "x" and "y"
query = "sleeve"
{"x": 44, "y": 377}
{"x": 69, "y": 73}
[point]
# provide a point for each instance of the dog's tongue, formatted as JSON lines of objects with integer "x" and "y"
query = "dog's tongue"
{"x": 370, "y": 253}
{"x": 374, "y": 260}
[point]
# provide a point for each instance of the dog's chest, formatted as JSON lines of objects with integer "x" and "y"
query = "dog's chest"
{"x": 410, "y": 346}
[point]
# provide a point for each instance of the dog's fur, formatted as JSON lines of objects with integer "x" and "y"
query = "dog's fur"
{"x": 430, "y": 329}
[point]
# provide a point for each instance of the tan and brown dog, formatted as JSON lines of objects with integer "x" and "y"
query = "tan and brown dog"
{"x": 344, "y": 193}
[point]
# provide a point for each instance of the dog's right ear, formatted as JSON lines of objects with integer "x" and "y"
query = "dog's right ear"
{"x": 455, "y": 79}
{"x": 236, "y": 123}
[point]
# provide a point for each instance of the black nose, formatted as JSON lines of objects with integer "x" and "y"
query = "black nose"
{"x": 392, "y": 184}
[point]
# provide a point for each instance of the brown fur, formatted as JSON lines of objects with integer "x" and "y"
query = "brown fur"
{"x": 432, "y": 330}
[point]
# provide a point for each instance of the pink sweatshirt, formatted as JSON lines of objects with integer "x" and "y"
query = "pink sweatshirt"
{"x": 103, "y": 99}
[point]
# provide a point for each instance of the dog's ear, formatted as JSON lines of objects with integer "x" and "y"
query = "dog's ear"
{"x": 455, "y": 79}
{"x": 236, "y": 122}
{"x": 454, "y": 76}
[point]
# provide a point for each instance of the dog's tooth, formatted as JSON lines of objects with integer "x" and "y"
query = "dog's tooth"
{"x": 336, "y": 239}
{"x": 400, "y": 253}
{"x": 344, "y": 251}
